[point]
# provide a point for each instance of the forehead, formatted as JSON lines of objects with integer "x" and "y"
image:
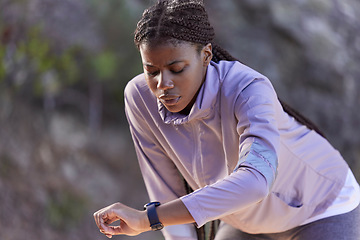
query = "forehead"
{"x": 161, "y": 54}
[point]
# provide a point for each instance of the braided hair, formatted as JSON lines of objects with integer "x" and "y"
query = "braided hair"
{"x": 175, "y": 20}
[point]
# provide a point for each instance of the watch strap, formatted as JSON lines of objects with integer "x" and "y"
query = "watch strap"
{"x": 155, "y": 223}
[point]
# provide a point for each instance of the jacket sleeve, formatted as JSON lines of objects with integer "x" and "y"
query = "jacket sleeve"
{"x": 257, "y": 111}
{"x": 250, "y": 182}
{"x": 162, "y": 179}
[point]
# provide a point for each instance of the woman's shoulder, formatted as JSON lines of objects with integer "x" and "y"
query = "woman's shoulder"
{"x": 136, "y": 84}
{"x": 235, "y": 70}
{"x": 137, "y": 92}
{"x": 235, "y": 76}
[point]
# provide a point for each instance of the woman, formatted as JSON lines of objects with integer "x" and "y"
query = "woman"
{"x": 198, "y": 114}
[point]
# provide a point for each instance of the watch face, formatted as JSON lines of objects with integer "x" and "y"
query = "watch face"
{"x": 151, "y": 203}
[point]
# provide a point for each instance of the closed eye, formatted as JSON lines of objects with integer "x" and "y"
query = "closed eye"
{"x": 152, "y": 74}
{"x": 177, "y": 72}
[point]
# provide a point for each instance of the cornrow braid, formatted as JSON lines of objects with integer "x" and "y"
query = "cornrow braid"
{"x": 221, "y": 54}
{"x": 169, "y": 20}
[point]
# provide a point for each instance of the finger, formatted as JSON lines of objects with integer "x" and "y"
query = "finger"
{"x": 112, "y": 230}
{"x": 96, "y": 218}
{"x": 111, "y": 220}
{"x": 100, "y": 221}
{"x": 116, "y": 230}
{"x": 98, "y": 215}
{"x": 106, "y": 220}
{"x": 108, "y": 230}
{"x": 104, "y": 227}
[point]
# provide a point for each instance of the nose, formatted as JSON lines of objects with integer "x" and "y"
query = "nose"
{"x": 164, "y": 81}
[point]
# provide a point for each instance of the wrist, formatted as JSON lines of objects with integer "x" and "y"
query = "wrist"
{"x": 145, "y": 223}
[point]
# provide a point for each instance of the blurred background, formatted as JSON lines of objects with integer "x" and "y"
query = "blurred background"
{"x": 65, "y": 149}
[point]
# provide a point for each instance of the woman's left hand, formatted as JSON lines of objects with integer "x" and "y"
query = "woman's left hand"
{"x": 132, "y": 221}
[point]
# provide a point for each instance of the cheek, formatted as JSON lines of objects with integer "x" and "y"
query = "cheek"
{"x": 152, "y": 85}
{"x": 196, "y": 79}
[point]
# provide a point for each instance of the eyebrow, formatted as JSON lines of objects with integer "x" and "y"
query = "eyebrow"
{"x": 171, "y": 63}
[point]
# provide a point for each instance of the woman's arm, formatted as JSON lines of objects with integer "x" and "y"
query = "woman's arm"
{"x": 133, "y": 222}
{"x": 161, "y": 177}
{"x": 174, "y": 213}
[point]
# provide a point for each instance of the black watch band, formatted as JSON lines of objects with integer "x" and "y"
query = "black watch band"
{"x": 155, "y": 224}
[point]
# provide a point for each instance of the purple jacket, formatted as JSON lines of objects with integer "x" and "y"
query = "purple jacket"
{"x": 253, "y": 165}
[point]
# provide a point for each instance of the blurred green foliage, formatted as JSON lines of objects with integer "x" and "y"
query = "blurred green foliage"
{"x": 35, "y": 57}
{"x": 42, "y": 58}
{"x": 104, "y": 65}
{"x": 7, "y": 167}
{"x": 2, "y": 67}
{"x": 34, "y": 68}
{"x": 66, "y": 209}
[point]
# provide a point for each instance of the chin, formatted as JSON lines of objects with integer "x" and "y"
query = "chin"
{"x": 173, "y": 109}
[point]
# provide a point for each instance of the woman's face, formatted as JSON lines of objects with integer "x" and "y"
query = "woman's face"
{"x": 175, "y": 72}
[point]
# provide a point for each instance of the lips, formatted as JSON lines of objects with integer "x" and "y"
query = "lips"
{"x": 169, "y": 100}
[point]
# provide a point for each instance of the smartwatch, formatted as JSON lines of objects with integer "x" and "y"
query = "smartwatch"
{"x": 150, "y": 208}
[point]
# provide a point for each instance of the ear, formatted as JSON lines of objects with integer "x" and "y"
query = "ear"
{"x": 207, "y": 54}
